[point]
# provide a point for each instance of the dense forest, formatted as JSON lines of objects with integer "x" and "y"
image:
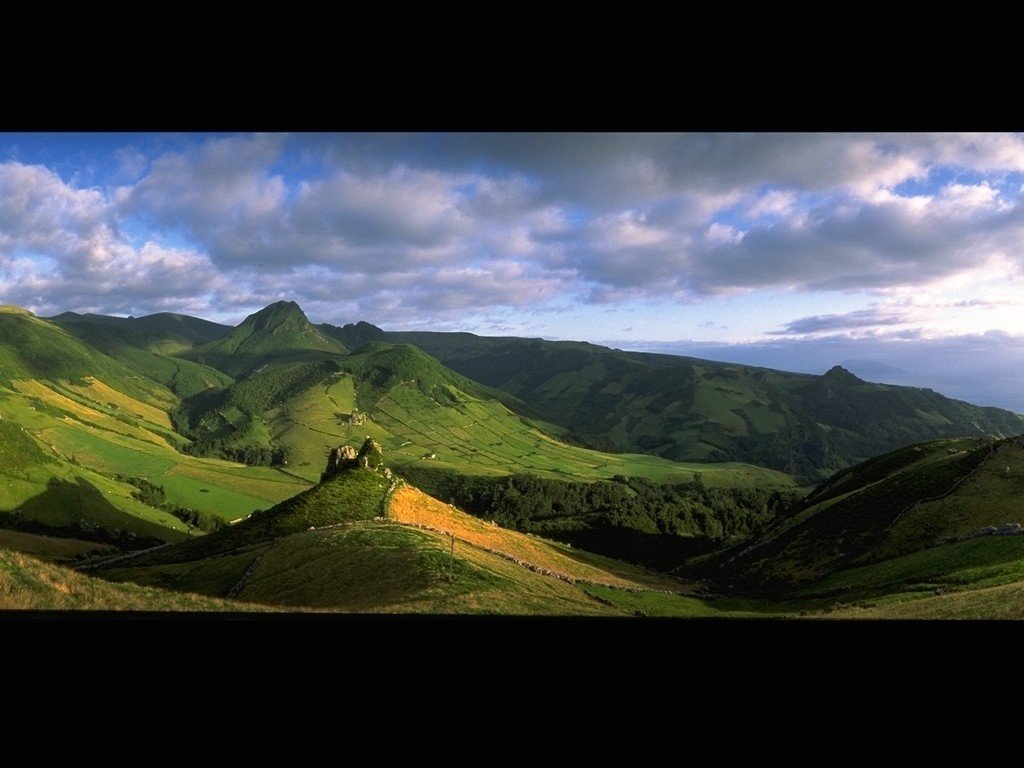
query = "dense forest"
{"x": 626, "y": 517}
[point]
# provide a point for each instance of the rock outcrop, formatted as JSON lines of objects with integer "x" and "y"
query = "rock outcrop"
{"x": 370, "y": 456}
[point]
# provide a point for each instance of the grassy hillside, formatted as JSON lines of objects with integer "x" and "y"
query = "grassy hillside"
{"x": 451, "y": 430}
{"x": 183, "y": 377}
{"x": 52, "y": 548}
{"x": 27, "y": 583}
{"x": 423, "y": 414}
{"x": 97, "y": 430}
{"x": 34, "y": 349}
{"x": 698, "y": 410}
{"x": 1002, "y": 602}
{"x": 392, "y": 569}
{"x": 91, "y": 438}
{"x": 350, "y": 544}
{"x": 927, "y": 502}
{"x": 164, "y": 332}
{"x": 72, "y": 419}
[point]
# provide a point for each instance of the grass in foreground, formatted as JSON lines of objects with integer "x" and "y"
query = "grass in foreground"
{"x": 382, "y": 568}
{"x": 51, "y": 548}
{"x": 1002, "y": 602}
{"x": 30, "y": 584}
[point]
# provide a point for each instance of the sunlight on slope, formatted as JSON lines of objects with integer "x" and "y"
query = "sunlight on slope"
{"x": 411, "y": 506}
{"x": 87, "y": 414}
{"x": 99, "y": 392}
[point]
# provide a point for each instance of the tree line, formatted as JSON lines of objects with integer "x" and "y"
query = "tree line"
{"x": 656, "y": 516}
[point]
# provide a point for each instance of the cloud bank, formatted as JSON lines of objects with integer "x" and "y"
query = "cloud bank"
{"x": 448, "y": 230}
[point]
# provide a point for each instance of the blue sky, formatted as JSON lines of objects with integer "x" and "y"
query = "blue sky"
{"x": 797, "y": 250}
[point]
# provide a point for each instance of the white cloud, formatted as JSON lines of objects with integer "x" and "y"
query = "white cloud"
{"x": 442, "y": 224}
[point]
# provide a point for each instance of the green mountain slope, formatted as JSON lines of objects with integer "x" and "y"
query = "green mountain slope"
{"x": 878, "y": 524}
{"x": 163, "y": 332}
{"x": 698, "y": 410}
{"x": 289, "y": 407}
{"x": 74, "y": 422}
{"x": 278, "y": 333}
{"x": 34, "y": 349}
{"x": 353, "y": 335}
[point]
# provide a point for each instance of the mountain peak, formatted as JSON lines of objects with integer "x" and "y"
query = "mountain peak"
{"x": 840, "y": 374}
{"x": 280, "y": 331}
{"x": 277, "y": 315}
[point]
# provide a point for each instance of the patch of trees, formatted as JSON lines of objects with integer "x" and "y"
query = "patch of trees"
{"x": 252, "y": 455}
{"x": 253, "y": 397}
{"x": 534, "y": 504}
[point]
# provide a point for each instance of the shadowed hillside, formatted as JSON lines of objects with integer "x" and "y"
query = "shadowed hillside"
{"x": 688, "y": 409}
{"x": 928, "y": 503}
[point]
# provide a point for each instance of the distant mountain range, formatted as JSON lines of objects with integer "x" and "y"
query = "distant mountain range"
{"x": 871, "y": 368}
{"x": 688, "y": 409}
{"x": 680, "y": 408}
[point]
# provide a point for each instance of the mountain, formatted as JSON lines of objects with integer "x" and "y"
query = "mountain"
{"x": 278, "y": 333}
{"x": 82, "y": 431}
{"x": 422, "y": 412}
{"x": 681, "y": 409}
{"x": 687, "y": 409}
{"x": 144, "y": 345}
{"x": 99, "y": 428}
{"x": 33, "y": 349}
{"x": 163, "y": 332}
{"x": 353, "y": 335}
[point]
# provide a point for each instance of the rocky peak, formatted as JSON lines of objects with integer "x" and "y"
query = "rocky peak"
{"x": 344, "y": 457}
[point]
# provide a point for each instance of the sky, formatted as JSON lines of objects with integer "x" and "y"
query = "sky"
{"x": 796, "y": 251}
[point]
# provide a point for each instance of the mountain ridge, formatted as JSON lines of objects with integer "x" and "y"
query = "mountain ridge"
{"x": 688, "y": 409}
{"x": 683, "y": 409}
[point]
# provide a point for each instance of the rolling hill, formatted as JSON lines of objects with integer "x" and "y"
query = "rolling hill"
{"x": 296, "y": 391}
{"x": 927, "y": 516}
{"x": 163, "y": 332}
{"x": 105, "y": 450}
{"x": 688, "y": 409}
{"x": 361, "y": 540}
{"x": 114, "y": 433}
